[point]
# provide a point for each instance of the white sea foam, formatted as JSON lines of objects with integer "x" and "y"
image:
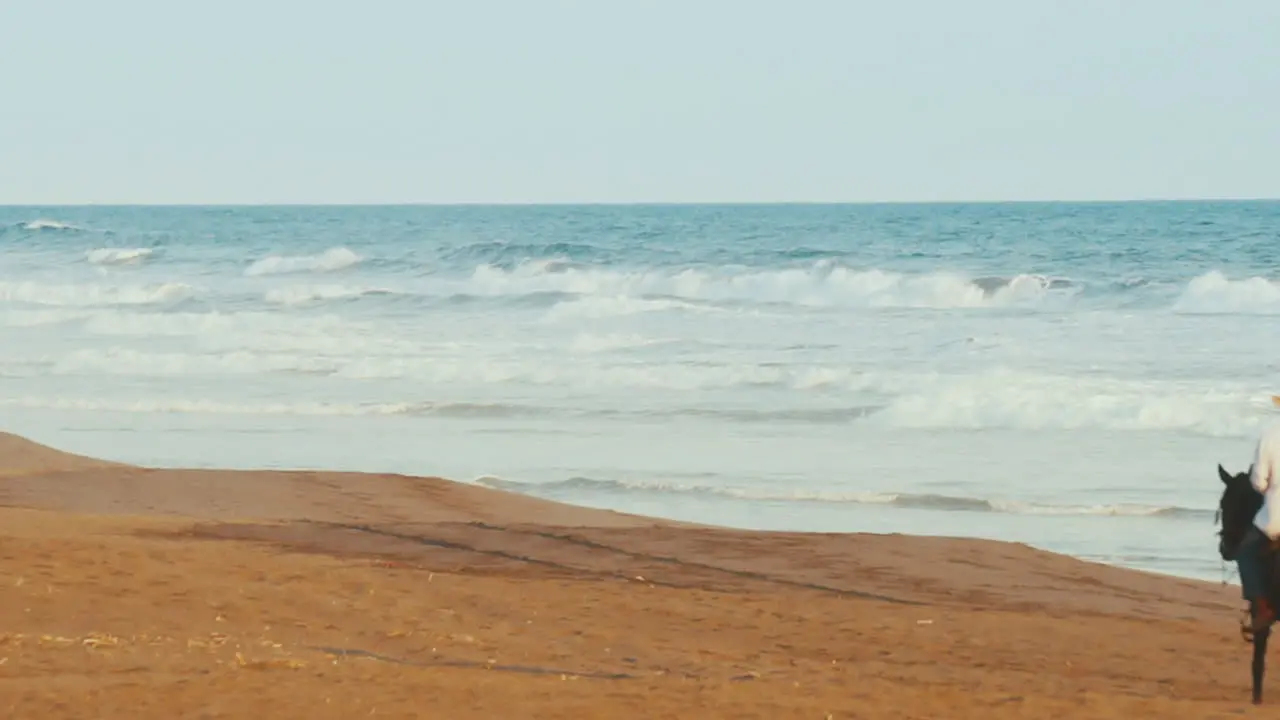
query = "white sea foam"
{"x": 1036, "y": 401}
{"x": 330, "y": 260}
{"x": 256, "y": 331}
{"x": 118, "y": 256}
{"x": 39, "y": 318}
{"x": 247, "y": 324}
{"x": 209, "y": 406}
{"x": 599, "y": 343}
{"x": 202, "y": 406}
{"x": 595, "y": 307}
{"x": 94, "y": 294}
{"x": 1214, "y": 293}
{"x": 995, "y": 399}
{"x": 127, "y": 361}
{"x": 312, "y": 294}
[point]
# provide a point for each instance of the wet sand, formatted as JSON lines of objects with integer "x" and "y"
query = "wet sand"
{"x": 129, "y": 592}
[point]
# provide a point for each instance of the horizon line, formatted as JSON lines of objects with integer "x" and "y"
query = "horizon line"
{"x": 639, "y": 203}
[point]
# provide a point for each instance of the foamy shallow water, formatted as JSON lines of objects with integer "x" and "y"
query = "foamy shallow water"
{"x": 1062, "y": 375}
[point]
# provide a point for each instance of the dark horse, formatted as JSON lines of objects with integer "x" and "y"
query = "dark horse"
{"x": 1239, "y": 504}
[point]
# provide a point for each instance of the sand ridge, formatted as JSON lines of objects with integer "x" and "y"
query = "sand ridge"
{"x": 145, "y": 592}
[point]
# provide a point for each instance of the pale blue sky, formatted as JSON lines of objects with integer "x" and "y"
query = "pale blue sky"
{"x": 611, "y": 101}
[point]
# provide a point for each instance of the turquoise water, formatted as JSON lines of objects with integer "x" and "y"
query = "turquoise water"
{"x": 1066, "y": 375}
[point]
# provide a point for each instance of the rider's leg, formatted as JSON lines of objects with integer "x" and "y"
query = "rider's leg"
{"x": 1249, "y": 562}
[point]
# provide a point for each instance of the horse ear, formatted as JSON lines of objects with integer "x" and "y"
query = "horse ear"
{"x": 1226, "y": 477}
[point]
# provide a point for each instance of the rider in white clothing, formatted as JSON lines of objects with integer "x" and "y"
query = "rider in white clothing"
{"x": 1266, "y": 466}
{"x": 1265, "y": 476}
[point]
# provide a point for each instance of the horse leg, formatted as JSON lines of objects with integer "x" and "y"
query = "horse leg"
{"x": 1271, "y": 573}
{"x": 1259, "y": 662}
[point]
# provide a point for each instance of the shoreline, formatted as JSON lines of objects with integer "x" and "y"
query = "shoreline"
{"x": 1157, "y": 565}
{"x": 142, "y": 592}
{"x": 570, "y": 507}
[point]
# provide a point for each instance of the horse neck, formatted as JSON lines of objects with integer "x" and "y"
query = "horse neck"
{"x": 1248, "y": 508}
{"x": 1253, "y": 504}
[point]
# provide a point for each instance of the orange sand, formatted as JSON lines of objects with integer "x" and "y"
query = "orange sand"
{"x": 141, "y": 593}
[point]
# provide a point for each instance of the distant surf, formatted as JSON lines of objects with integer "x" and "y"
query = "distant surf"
{"x": 43, "y": 225}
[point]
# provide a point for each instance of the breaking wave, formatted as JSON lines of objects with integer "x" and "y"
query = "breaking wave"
{"x": 901, "y": 500}
{"x": 330, "y": 260}
{"x": 570, "y": 293}
{"x": 1213, "y": 293}
{"x": 44, "y": 225}
{"x": 118, "y": 256}
{"x": 823, "y": 284}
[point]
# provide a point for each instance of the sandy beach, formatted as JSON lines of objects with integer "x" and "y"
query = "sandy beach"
{"x": 130, "y": 592}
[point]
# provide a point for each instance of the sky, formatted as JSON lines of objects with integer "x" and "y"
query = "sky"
{"x": 605, "y": 101}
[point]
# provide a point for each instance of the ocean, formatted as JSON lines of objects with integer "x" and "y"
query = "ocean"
{"x": 1063, "y": 375}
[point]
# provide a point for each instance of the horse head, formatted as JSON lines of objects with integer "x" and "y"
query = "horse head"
{"x": 1236, "y": 509}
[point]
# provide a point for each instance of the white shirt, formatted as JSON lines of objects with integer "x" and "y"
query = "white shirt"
{"x": 1266, "y": 480}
